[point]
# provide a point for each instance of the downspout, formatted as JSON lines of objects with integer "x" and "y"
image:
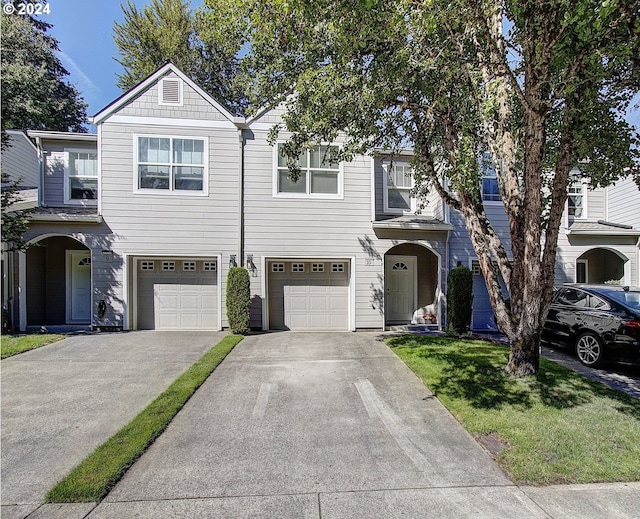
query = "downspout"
{"x": 41, "y": 176}
{"x": 241, "y": 197}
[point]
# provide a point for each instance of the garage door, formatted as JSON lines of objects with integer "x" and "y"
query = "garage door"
{"x": 308, "y": 295}
{"x": 177, "y": 294}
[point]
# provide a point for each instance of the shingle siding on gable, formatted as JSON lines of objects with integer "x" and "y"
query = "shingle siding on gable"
{"x": 193, "y": 106}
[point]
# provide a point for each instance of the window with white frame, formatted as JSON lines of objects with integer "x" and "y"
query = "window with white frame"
{"x": 320, "y": 174}
{"x": 209, "y": 266}
{"x": 171, "y": 164}
{"x": 489, "y": 179}
{"x": 576, "y": 199}
{"x": 398, "y": 185}
{"x": 81, "y": 176}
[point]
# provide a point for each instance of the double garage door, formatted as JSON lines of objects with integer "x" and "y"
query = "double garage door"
{"x": 308, "y": 295}
{"x": 177, "y": 294}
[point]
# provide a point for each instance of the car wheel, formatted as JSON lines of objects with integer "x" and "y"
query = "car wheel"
{"x": 589, "y": 349}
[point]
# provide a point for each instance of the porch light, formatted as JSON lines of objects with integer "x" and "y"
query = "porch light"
{"x": 107, "y": 254}
{"x": 232, "y": 261}
{"x": 250, "y": 264}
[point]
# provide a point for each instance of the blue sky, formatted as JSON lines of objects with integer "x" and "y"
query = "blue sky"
{"x": 84, "y": 29}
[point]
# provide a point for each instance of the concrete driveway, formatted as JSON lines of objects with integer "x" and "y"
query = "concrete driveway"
{"x": 61, "y": 401}
{"x": 314, "y": 425}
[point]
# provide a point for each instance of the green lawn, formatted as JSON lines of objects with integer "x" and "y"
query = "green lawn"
{"x": 100, "y": 471}
{"x": 14, "y": 344}
{"x": 558, "y": 427}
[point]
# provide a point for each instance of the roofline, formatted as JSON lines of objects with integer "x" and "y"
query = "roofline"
{"x": 152, "y": 78}
{"x": 15, "y": 133}
{"x": 62, "y": 136}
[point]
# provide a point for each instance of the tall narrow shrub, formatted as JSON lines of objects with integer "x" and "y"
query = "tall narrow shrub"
{"x": 459, "y": 299}
{"x": 238, "y": 300}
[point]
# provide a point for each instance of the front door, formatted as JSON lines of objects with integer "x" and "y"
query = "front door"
{"x": 79, "y": 286}
{"x": 401, "y": 288}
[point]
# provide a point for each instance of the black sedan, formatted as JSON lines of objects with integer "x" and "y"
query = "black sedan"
{"x": 601, "y": 322}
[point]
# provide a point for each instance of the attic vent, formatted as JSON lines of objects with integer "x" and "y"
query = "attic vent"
{"x": 171, "y": 91}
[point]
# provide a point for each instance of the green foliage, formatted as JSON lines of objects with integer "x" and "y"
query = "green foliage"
{"x": 556, "y": 428}
{"x": 35, "y": 94}
{"x": 167, "y": 30}
{"x": 12, "y": 345}
{"x": 541, "y": 87}
{"x": 238, "y": 300}
{"x": 459, "y": 299}
{"x": 92, "y": 479}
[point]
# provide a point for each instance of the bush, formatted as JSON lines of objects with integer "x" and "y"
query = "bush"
{"x": 459, "y": 299}
{"x": 238, "y": 300}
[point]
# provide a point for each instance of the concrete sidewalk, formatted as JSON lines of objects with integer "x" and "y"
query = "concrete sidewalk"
{"x": 327, "y": 425}
{"x": 61, "y": 401}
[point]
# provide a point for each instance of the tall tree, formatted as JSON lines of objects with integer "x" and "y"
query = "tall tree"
{"x": 539, "y": 86}
{"x": 167, "y": 30}
{"x": 35, "y": 92}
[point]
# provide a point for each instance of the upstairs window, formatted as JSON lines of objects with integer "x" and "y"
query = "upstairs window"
{"x": 398, "y": 185}
{"x": 577, "y": 200}
{"x": 171, "y": 164}
{"x": 81, "y": 176}
{"x": 320, "y": 175}
{"x": 489, "y": 179}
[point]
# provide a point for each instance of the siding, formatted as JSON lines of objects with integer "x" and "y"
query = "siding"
{"x": 323, "y": 228}
{"x": 54, "y": 168}
{"x": 165, "y": 224}
{"x": 624, "y": 203}
{"x": 194, "y": 106}
{"x": 20, "y": 160}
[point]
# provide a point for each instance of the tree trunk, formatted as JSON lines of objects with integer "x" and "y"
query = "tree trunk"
{"x": 524, "y": 357}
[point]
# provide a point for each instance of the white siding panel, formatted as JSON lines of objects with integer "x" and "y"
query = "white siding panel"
{"x": 20, "y": 160}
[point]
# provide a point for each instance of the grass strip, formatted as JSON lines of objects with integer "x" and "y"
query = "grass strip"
{"x": 13, "y": 344}
{"x": 554, "y": 428}
{"x": 94, "y": 477}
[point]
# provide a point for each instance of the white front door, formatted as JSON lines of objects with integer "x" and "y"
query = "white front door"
{"x": 401, "y": 288}
{"x": 79, "y": 286}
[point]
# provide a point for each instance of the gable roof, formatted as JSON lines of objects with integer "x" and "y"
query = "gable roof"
{"x": 151, "y": 80}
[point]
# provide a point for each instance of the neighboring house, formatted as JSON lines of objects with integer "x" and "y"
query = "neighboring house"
{"x": 142, "y": 222}
{"x": 599, "y": 241}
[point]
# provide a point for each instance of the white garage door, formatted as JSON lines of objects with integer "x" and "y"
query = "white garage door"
{"x": 177, "y": 294}
{"x": 308, "y": 295}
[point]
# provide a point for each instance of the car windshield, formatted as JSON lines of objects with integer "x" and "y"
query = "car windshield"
{"x": 629, "y": 298}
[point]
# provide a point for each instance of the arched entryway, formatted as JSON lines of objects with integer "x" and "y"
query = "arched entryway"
{"x": 411, "y": 283}
{"x": 602, "y": 265}
{"x": 58, "y": 282}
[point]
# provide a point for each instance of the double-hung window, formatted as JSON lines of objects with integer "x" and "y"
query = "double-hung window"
{"x": 81, "y": 176}
{"x": 489, "y": 179}
{"x": 398, "y": 185}
{"x": 576, "y": 200}
{"x": 171, "y": 164}
{"x": 320, "y": 175}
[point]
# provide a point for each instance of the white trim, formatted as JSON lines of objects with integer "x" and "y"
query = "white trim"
{"x": 171, "y": 192}
{"x": 385, "y": 189}
{"x": 373, "y": 187}
{"x": 352, "y": 295}
{"x": 585, "y": 201}
{"x": 586, "y": 270}
{"x": 307, "y": 195}
{"x": 67, "y": 194}
{"x": 160, "y": 87}
{"x": 61, "y": 136}
{"x": 173, "y": 121}
{"x": 263, "y": 291}
{"x": 99, "y": 194}
{"x": 22, "y": 290}
{"x": 148, "y": 82}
